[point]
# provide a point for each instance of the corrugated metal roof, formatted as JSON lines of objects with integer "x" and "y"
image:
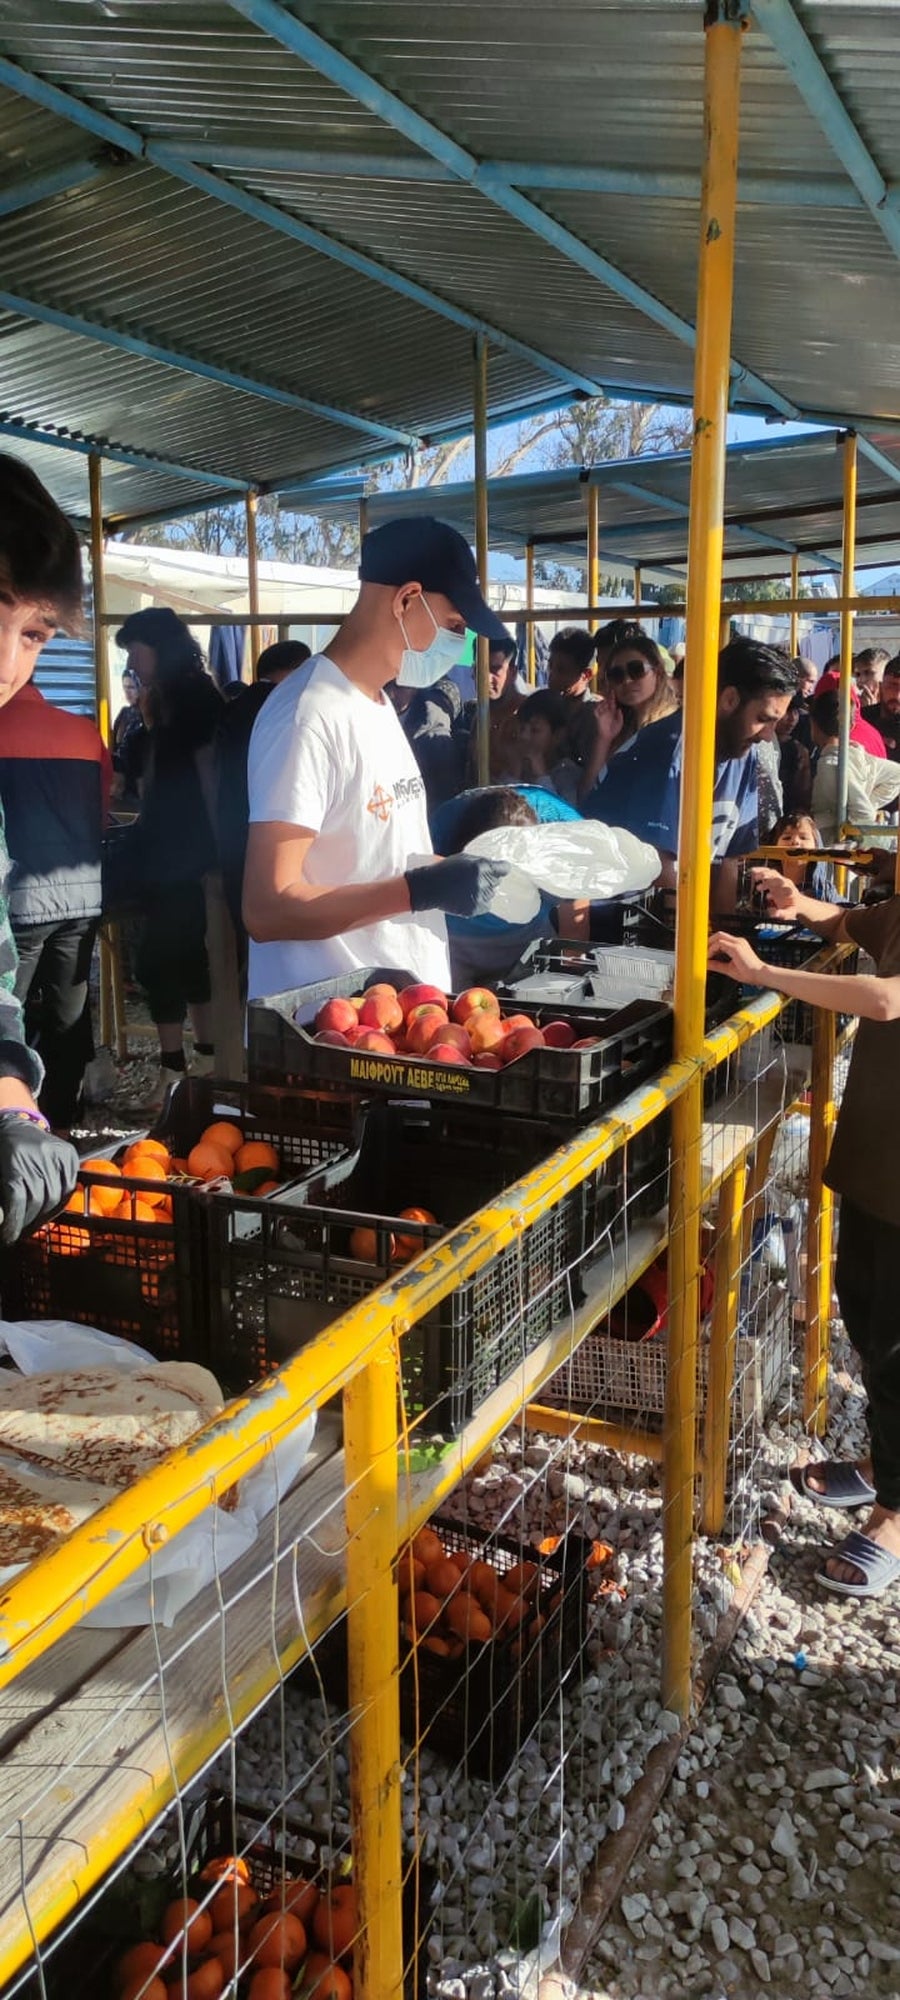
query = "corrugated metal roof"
{"x": 786, "y": 492}
{"x": 611, "y": 87}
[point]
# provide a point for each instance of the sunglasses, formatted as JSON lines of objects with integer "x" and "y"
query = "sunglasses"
{"x": 628, "y": 670}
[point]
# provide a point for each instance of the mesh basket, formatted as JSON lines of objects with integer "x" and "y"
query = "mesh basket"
{"x": 630, "y": 1375}
{"x": 279, "y": 1272}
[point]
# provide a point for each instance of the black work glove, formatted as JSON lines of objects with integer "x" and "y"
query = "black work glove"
{"x": 463, "y": 886}
{"x": 37, "y": 1174}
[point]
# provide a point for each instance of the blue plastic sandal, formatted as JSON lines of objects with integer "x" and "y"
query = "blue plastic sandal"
{"x": 879, "y": 1568}
{"x": 844, "y": 1483}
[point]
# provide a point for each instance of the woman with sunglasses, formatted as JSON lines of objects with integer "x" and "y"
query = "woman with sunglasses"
{"x": 637, "y": 690}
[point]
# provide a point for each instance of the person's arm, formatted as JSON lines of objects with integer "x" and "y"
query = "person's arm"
{"x": 608, "y": 721}
{"x": 280, "y": 904}
{"x": 37, "y": 1170}
{"x": 786, "y": 901}
{"x": 863, "y": 994}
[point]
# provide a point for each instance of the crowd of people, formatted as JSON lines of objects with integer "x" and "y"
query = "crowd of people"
{"x": 320, "y": 794}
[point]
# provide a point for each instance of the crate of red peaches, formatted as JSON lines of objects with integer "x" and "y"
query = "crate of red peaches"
{"x": 377, "y": 1035}
{"x": 128, "y": 1252}
{"x": 490, "y": 1629}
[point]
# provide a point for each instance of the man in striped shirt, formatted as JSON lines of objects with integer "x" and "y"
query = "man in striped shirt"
{"x": 40, "y": 591}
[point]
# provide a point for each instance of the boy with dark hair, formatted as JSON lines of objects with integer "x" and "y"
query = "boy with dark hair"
{"x": 40, "y": 591}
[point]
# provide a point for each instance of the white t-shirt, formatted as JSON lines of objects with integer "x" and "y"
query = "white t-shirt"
{"x": 325, "y": 756}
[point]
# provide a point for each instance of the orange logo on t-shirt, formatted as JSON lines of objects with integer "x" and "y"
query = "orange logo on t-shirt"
{"x": 380, "y": 804}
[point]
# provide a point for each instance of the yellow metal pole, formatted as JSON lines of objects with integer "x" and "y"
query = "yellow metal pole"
{"x": 530, "y": 648}
{"x": 819, "y": 1224}
{"x": 705, "y": 536}
{"x": 593, "y": 550}
{"x": 794, "y": 641}
{"x": 723, "y": 1334}
{"x": 98, "y": 588}
{"x": 251, "y": 502}
{"x": 848, "y": 564}
{"x": 638, "y": 584}
{"x": 371, "y": 1472}
{"x": 483, "y": 739}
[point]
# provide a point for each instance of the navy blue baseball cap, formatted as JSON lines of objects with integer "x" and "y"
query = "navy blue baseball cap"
{"x": 430, "y": 552}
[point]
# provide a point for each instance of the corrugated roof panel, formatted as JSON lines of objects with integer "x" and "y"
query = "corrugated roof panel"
{"x": 860, "y": 47}
{"x": 31, "y": 142}
{"x": 127, "y": 490}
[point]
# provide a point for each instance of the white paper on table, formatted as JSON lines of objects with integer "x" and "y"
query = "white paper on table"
{"x": 160, "y": 1588}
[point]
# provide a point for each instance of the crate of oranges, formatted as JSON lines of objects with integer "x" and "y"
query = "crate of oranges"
{"x": 490, "y": 1630}
{"x": 129, "y": 1253}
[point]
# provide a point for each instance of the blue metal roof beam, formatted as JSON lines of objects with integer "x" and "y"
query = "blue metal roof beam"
{"x": 20, "y": 195}
{"x": 120, "y": 455}
{"x": 888, "y": 466}
{"x": 170, "y": 160}
{"x": 668, "y": 505}
{"x": 791, "y": 42}
{"x": 758, "y": 190}
{"x": 272, "y": 20}
{"x": 191, "y": 364}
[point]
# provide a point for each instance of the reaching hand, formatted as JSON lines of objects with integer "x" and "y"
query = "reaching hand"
{"x": 37, "y": 1174}
{"x": 736, "y": 959}
{"x": 608, "y": 721}
{"x": 782, "y": 897}
{"x": 463, "y": 886}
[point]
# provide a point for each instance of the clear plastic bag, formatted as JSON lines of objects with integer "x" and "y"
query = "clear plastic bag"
{"x": 573, "y": 859}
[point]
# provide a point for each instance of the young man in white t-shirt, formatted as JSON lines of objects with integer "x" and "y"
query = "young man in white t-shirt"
{"x": 339, "y": 871}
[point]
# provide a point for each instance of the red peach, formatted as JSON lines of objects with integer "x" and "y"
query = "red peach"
{"x": 520, "y": 1043}
{"x": 452, "y": 1034}
{"x": 381, "y": 1009}
{"x": 333, "y": 1038}
{"x": 475, "y": 1000}
{"x": 558, "y": 1035}
{"x": 588, "y": 1042}
{"x": 374, "y": 1043}
{"x": 444, "y": 1052}
{"x": 429, "y": 1007}
{"x": 338, "y": 1015}
{"x": 412, "y": 997}
{"x": 484, "y": 1031}
{"x": 486, "y": 1059}
{"x": 421, "y": 1027}
{"x": 514, "y": 1021}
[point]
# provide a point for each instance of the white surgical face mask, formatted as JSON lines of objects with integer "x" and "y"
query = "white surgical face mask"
{"x": 422, "y": 669}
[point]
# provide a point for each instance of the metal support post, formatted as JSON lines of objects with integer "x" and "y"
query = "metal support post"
{"x": 638, "y": 584}
{"x": 794, "y": 641}
{"x": 848, "y": 564}
{"x": 371, "y": 1461}
{"x": 101, "y": 637}
{"x": 363, "y": 518}
{"x": 593, "y": 551}
{"x": 820, "y": 1222}
{"x": 250, "y": 503}
{"x": 705, "y": 539}
{"x": 530, "y": 648}
{"x": 723, "y": 1334}
{"x": 483, "y": 740}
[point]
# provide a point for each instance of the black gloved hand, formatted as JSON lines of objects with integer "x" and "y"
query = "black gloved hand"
{"x": 37, "y": 1174}
{"x": 463, "y": 886}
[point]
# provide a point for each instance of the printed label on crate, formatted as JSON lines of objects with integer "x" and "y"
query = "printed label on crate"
{"x": 379, "y": 1069}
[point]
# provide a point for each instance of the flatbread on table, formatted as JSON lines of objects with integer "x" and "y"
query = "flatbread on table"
{"x": 104, "y": 1425}
{"x": 35, "y": 1513}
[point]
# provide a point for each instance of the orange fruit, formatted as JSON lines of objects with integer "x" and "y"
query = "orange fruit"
{"x": 425, "y": 1609}
{"x": 178, "y": 1166}
{"x": 222, "y": 1947}
{"x": 267, "y": 1187}
{"x": 164, "y": 1210}
{"x": 442, "y": 1577}
{"x": 294, "y": 1894}
{"x": 270, "y": 1983}
{"x": 185, "y": 1914}
{"x": 466, "y": 1619}
{"x": 435, "y": 1644}
{"x": 410, "y": 1574}
{"x": 206, "y": 1981}
{"x": 67, "y": 1240}
{"x": 278, "y": 1940}
{"x": 336, "y": 1921}
{"x": 223, "y": 1133}
{"x": 411, "y": 1246}
{"x": 146, "y": 1167}
{"x": 75, "y": 1203}
{"x": 136, "y": 1208}
{"x": 256, "y": 1153}
{"x": 522, "y": 1580}
{"x": 364, "y": 1245}
{"x": 427, "y": 1547}
{"x": 225, "y": 1868}
{"x": 156, "y": 1147}
{"x": 331, "y": 1983}
{"x": 144, "y": 1989}
{"x": 233, "y": 1904}
{"x": 141, "y": 1961}
{"x": 205, "y": 1158}
{"x": 511, "y": 1611}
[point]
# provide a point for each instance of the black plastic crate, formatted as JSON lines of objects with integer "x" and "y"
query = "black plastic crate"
{"x": 572, "y": 1085}
{"x": 561, "y": 973}
{"x": 148, "y": 1281}
{"x": 482, "y": 1706}
{"x": 281, "y": 1271}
